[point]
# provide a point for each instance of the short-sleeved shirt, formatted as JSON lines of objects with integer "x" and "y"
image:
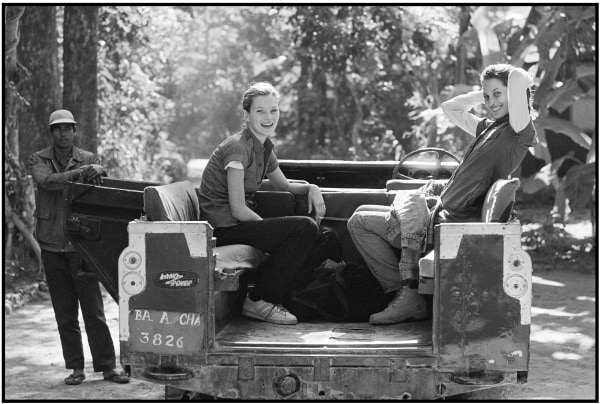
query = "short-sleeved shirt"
{"x": 213, "y": 194}
{"x": 495, "y": 154}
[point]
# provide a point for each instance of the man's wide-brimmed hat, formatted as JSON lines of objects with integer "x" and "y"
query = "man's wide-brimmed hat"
{"x": 61, "y": 116}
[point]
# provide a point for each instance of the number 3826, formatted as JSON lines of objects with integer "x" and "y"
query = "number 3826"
{"x": 159, "y": 339}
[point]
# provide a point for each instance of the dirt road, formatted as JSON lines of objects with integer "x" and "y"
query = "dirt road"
{"x": 562, "y": 366}
{"x": 34, "y": 367}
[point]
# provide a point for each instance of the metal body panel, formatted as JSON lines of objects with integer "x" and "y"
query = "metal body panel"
{"x": 166, "y": 279}
{"x": 317, "y": 378}
{"x": 483, "y": 316}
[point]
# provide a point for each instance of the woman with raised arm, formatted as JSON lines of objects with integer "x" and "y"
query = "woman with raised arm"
{"x": 380, "y": 233}
{"x": 234, "y": 172}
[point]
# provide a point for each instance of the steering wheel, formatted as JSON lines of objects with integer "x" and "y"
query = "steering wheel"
{"x": 435, "y": 173}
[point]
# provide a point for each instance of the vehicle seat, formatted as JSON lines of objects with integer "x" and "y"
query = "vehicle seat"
{"x": 179, "y": 202}
{"x": 497, "y": 208}
{"x": 176, "y": 202}
{"x": 499, "y": 201}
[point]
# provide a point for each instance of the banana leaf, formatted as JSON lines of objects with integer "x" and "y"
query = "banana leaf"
{"x": 540, "y": 150}
{"x": 579, "y": 184}
{"x": 565, "y": 96}
{"x": 542, "y": 179}
{"x": 564, "y": 127}
{"x": 546, "y": 176}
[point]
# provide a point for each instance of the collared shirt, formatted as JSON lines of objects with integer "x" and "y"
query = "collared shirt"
{"x": 495, "y": 154}
{"x": 213, "y": 194}
{"x": 51, "y": 179}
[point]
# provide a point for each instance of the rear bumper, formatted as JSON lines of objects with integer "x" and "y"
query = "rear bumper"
{"x": 323, "y": 378}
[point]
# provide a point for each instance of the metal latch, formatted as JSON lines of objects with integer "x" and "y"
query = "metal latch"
{"x": 398, "y": 371}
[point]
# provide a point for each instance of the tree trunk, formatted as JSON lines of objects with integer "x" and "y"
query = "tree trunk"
{"x": 431, "y": 130}
{"x": 305, "y": 103}
{"x": 484, "y": 21}
{"x": 19, "y": 202}
{"x": 461, "y": 51}
{"x": 11, "y": 40}
{"x": 80, "y": 94}
{"x": 13, "y": 77}
{"x": 38, "y": 53}
{"x": 320, "y": 88}
{"x": 14, "y": 221}
{"x": 357, "y": 116}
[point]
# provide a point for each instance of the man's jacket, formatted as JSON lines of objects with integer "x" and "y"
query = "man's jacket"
{"x": 50, "y": 202}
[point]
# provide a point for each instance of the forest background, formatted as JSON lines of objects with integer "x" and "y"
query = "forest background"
{"x": 155, "y": 86}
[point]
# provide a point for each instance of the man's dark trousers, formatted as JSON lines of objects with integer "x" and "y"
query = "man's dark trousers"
{"x": 71, "y": 285}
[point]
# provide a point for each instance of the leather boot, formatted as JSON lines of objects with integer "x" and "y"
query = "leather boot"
{"x": 408, "y": 304}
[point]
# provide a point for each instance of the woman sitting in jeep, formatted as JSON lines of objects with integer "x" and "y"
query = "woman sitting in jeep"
{"x": 499, "y": 147}
{"x": 234, "y": 172}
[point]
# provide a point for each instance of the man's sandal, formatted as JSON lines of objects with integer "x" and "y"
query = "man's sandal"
{"x": 74, "y": 379}
{"x": 116, "y": 377}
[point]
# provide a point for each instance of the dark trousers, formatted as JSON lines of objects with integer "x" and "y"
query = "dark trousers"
{"x": 289, "y": 240}
{"x": 70, "y": 286}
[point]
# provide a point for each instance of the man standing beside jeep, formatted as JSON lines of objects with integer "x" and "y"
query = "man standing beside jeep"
{"x": 70, "y": 282}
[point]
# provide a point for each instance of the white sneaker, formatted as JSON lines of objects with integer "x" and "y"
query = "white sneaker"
{"x": 269, "y": 312}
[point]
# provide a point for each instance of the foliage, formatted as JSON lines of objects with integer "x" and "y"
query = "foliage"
{"x": 578, "y": 184}
{"x": 357, "y": 82}
{"x": 565, "y": 38}
{"x": 434, "y": 36}
{"x": 564, "y": 33}
{"x": 229, "y": 48}
{"x": 357, "y": 65}
{"x": 133, "y": 111}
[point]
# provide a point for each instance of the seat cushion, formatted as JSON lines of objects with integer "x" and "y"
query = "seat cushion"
{"x": 172, "y": 202}
{"x": 237, "y": 256}
{"x": 426, "y": 267}
{"x": 500, "y": 200}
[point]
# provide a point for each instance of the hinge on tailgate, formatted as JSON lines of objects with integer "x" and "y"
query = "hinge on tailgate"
{"x": 246, "y": 368}
{"x": 322, "y": 366}
{"x": 398, "y": 371}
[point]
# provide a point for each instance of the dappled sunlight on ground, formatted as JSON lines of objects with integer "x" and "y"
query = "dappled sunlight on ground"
{"x": 563, "y": 338}
{"x": 566, "y": 356}
{"x": 559, "y": 312}
{"x": 542, "y": 281}
{"x": 570, "y": 337}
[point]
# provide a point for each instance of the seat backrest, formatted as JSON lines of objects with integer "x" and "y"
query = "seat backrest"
{"x": 179, "y": 202}
{"x": 172, "y": 202}
{"x": 500, "y": 200}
